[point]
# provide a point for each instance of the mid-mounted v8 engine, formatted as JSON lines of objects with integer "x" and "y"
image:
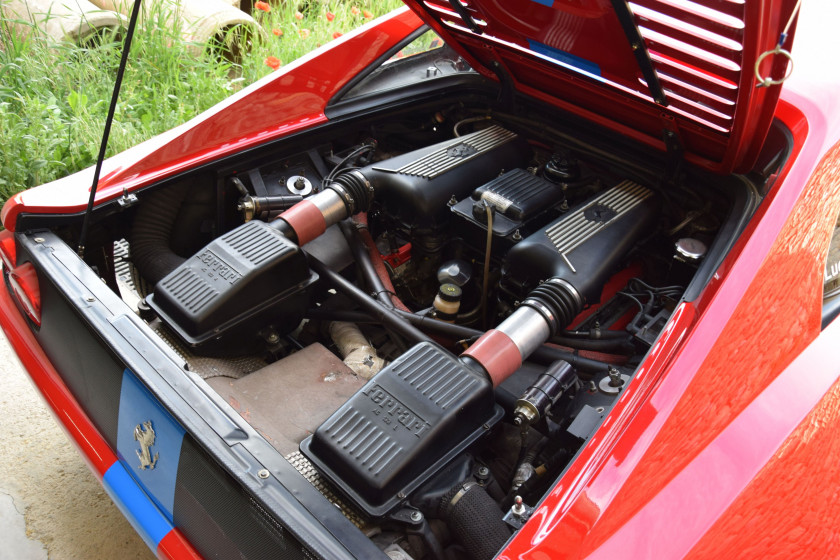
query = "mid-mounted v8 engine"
{"x": 519, "y": 240}
{"x": 415, "y": 187}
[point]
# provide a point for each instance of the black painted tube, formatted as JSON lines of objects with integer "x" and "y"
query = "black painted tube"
{"x": 544, "y": 355}
{"x": 621, "y": 345}
{"x": 377, "y": 311}
{"x": 365, "y": 265}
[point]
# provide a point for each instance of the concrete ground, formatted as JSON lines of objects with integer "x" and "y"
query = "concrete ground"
{"x": 51, "y": 505}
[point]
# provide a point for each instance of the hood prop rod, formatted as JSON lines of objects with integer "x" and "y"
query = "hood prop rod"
{"x": 637, "y": 44}
{"x": 135, "y": 11}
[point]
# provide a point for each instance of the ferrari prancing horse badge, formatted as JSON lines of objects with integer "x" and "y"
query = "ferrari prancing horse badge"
{"x": 145, "y": 435}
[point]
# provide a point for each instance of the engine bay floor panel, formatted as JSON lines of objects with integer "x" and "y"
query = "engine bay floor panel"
{"x": 288, "y": 399}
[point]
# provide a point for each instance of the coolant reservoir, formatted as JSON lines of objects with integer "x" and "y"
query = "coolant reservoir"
{"x": 447, "y": 302}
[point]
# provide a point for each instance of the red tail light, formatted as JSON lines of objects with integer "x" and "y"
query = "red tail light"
{"x": 24, "y": 282}
{"x": 8, "y": 252}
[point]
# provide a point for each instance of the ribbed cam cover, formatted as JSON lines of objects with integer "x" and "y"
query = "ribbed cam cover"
{"x": 417, "y": 186}
{"x": 585, "y": 246}
{"x": 244, "y": 280}
{"x": 410, "y": 420}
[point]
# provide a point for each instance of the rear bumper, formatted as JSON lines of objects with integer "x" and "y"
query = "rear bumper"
{"x": 103, "y": 372}
{"x": 158, "y": 534}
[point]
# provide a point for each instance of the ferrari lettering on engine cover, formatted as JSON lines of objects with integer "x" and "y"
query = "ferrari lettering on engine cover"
{"x": 397, "y": 411}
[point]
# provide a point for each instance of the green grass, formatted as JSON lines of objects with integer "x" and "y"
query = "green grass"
{"x": 54, "y": 96}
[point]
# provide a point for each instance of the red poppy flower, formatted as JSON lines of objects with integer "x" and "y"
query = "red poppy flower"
{"x": 304, "y": 33}
{"x": 336, "y": 34}
{"x": 273, "y": 62}
{"x": 355, "y": 11}
{"x": 298, "y": 15}
{"x": 278, "y": 32}
{"x": 330, "y": 16}
{"x": 263, "y": 6}
{"x": 367, "y": 14}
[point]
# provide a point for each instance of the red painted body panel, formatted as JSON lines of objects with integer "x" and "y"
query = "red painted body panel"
{"x": 174, "y": 546}
{"x": 525, "y": 39}
{"x": 289, "y": 100}
{"x": 721, "y": 398}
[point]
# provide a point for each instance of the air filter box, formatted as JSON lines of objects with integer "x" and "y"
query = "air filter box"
{"x": 403, "y": 426}
{"x": 245, "y": 280}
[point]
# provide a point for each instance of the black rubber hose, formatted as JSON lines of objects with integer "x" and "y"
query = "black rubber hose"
{"x": 381, "y": 313}
{"x": 544, "y": 355}
{"x": 475, "y": 519}
{"x": 152, "y": 230}
{"x": 594, "y": 335}
{"x": 620, "y": 345}
{"x": 364, "y": 264}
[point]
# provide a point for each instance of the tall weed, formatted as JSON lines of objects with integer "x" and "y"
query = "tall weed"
{"x": 54, "y": 96}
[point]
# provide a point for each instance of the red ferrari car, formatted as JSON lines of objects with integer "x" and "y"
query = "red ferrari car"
{"x": 536, "y": 278}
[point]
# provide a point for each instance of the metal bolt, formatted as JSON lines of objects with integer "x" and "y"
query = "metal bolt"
{"x": 518, "y": 508}
{"x": 483, "y": 471}
{"x": 615, "y": 378}
{"x": 416, "y": 516}
{"x": 401, "y": 495}
{"x": 263, "y": 473}
{"x": 90, "y": 299}
{"x": 516, "y": 236}
{"x": 453, "y": 201}
{"x": 38, "y": 240}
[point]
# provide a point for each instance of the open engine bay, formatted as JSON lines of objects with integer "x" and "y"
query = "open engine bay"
{"x": 428, "y": 315}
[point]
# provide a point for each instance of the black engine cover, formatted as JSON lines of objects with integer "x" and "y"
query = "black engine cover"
{"x": 248, "y": 278}
{"x": 585, "y": 245}
{"x": 411, "y": 419}
{"x": 416, "y": 187}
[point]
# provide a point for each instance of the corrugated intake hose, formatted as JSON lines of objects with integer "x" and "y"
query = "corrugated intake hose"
{"x": 152, "y": 230}
{"x": 475, "y": 519}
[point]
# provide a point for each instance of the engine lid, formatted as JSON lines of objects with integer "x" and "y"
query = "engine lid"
{"x": 649, "y": 69}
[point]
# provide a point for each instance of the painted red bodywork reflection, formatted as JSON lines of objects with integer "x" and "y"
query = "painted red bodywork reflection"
{"x": 724, "y": 399}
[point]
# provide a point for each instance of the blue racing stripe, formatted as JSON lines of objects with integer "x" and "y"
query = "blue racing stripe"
{"x": 136, "y": 506}
{"x": 564, "y": 57}
{"x": 154, "y": 463}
